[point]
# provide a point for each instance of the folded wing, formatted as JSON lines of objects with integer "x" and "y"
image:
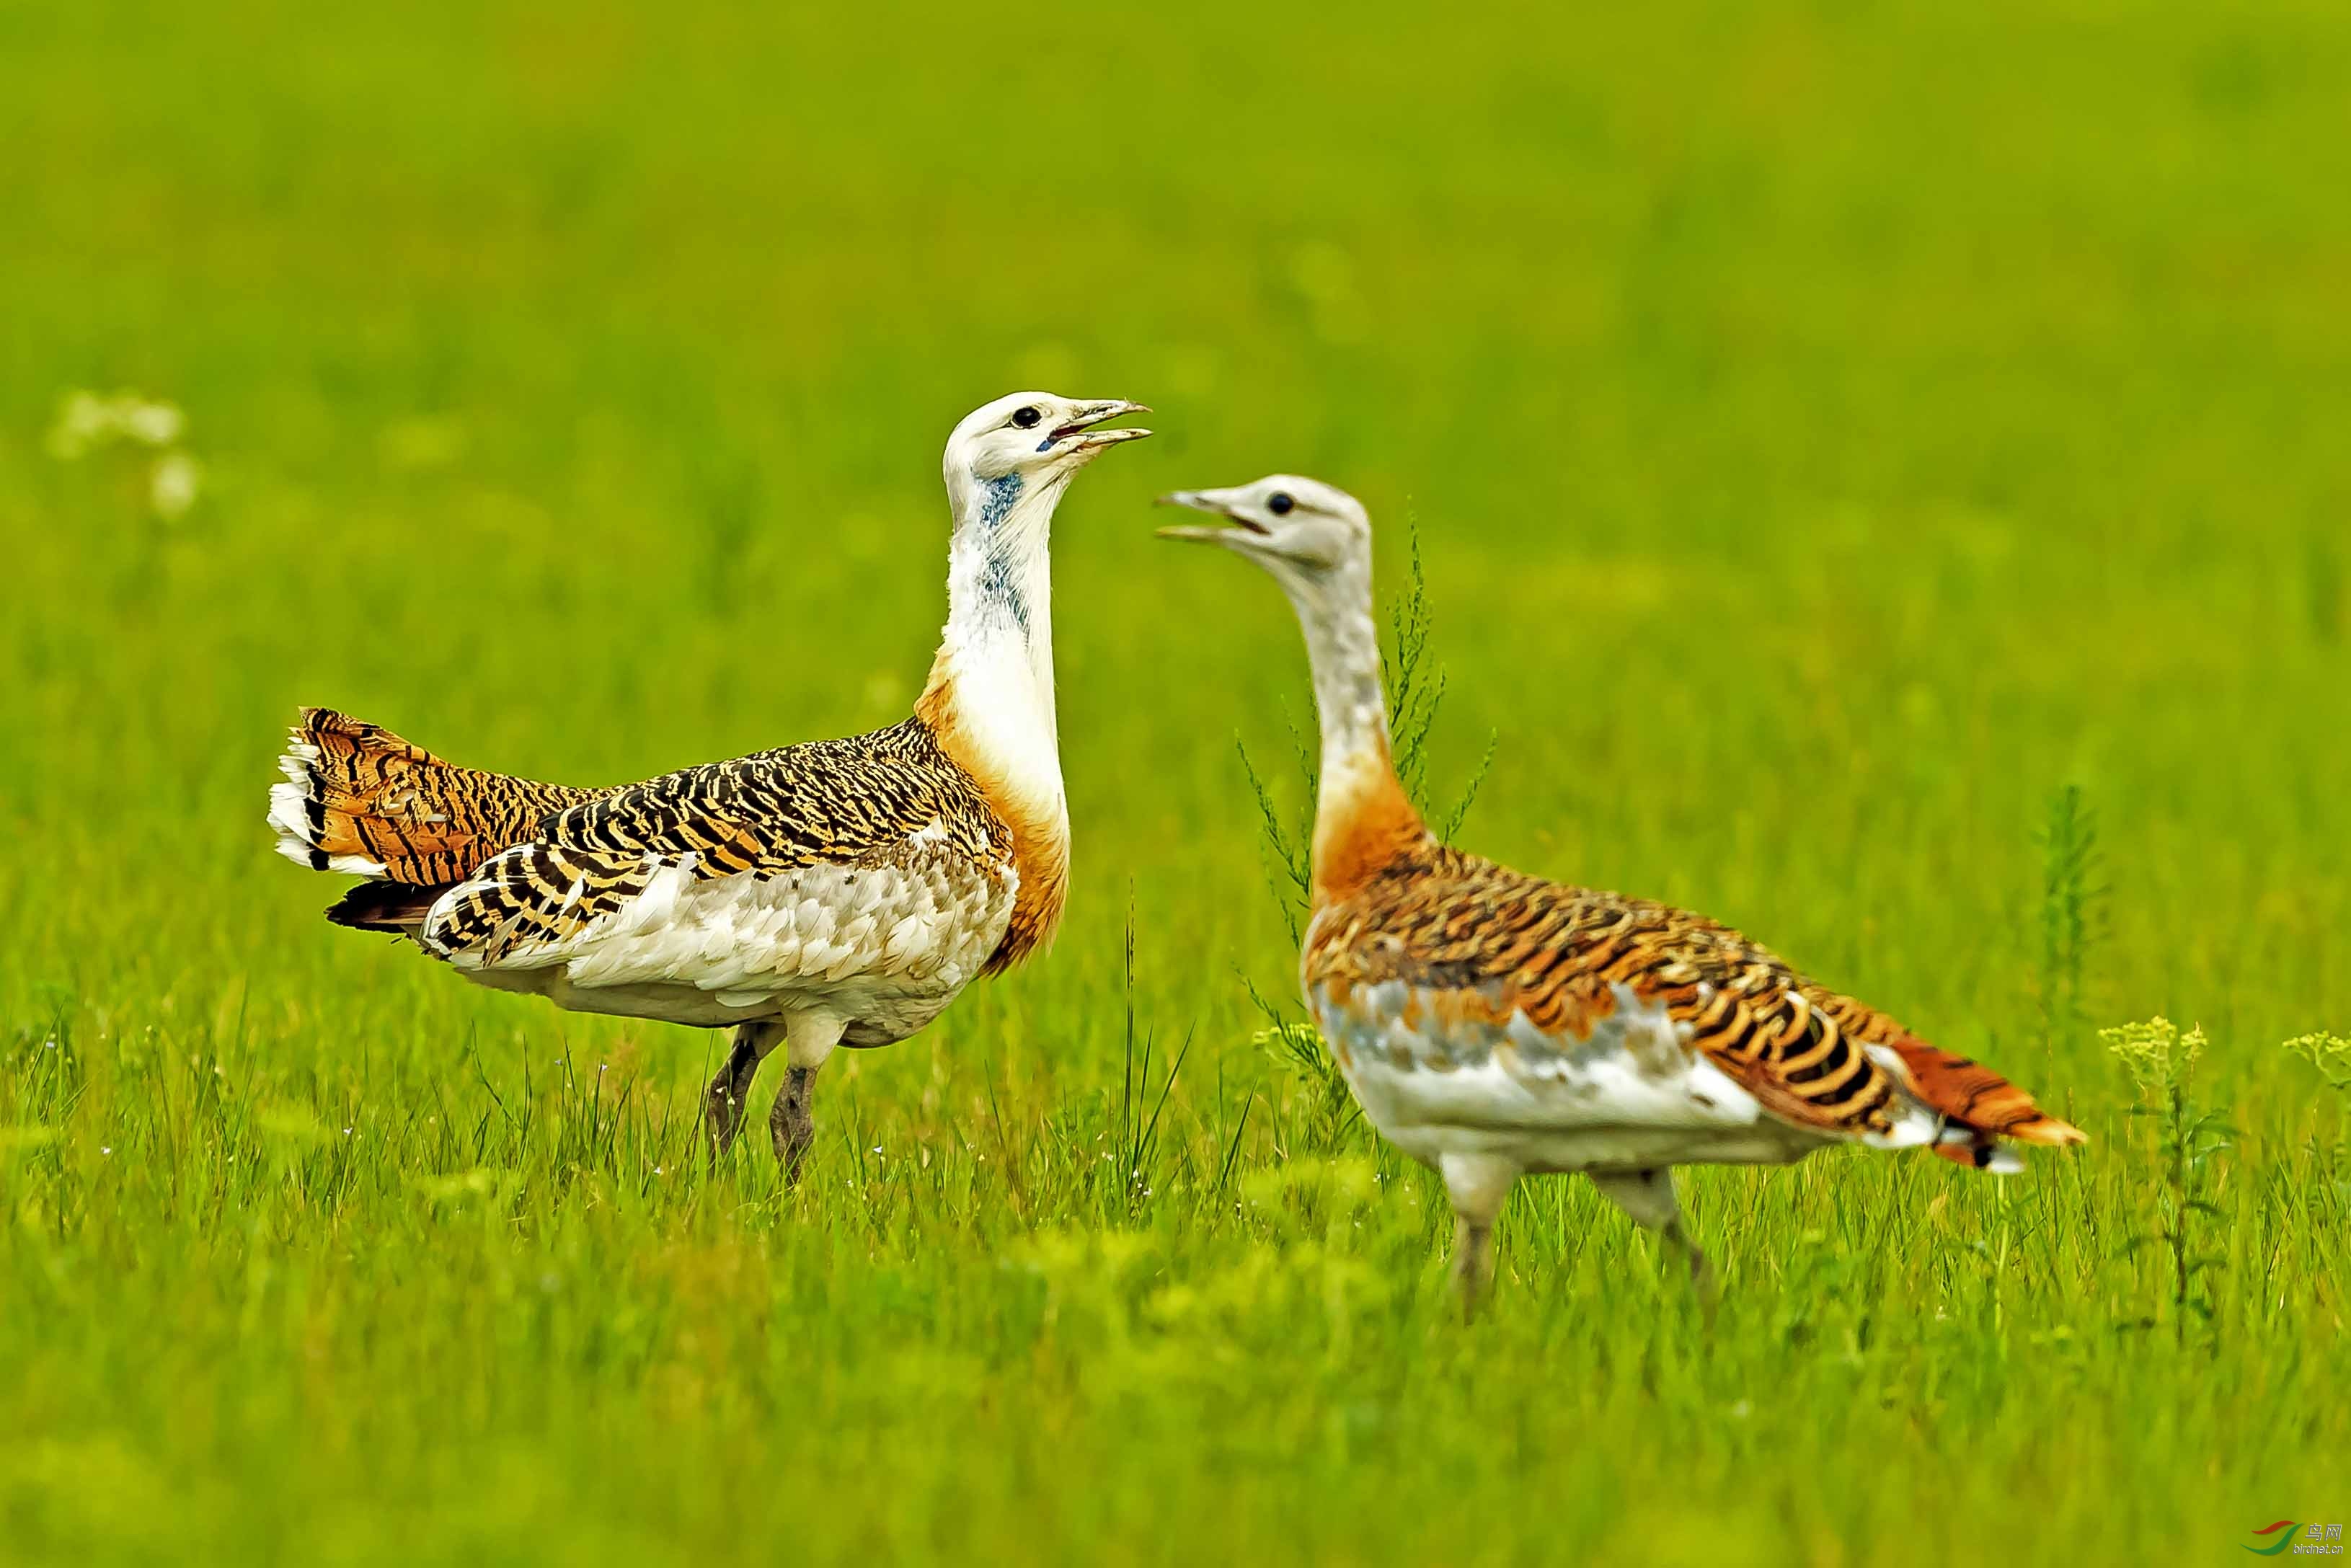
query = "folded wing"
{"x": 1557, "y": 955}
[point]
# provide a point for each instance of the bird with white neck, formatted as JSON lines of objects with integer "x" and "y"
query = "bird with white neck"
{"x": 833, "y": 892}
{"x": 1493, "y": 1024}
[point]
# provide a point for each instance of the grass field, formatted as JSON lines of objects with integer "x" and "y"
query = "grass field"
{"x": 1832, "y": 431}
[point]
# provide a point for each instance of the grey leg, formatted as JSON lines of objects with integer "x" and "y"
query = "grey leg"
{"x": 730, "y": 1087}
{"x": 1477, "y": 1185}
{"x": 813, "y": 1036}
{"x": 1648, "y": 1196}
{"x": 1473, "y": 1261}
{"x": 790, "y": 1123}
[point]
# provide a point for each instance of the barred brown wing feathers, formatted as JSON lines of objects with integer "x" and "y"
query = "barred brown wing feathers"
{"x": 1454, "y": 922}
{"x": 861, "y": 802}
{"x": 1796, "y": 1059}
{"x": 829, "y": 801}
{"x": 1812, "y": 1057}
{"x": 533, "y": 894}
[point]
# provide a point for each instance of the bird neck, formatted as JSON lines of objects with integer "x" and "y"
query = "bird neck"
{"x": 1363, "y": 820}
{"x": 989, "y": 699}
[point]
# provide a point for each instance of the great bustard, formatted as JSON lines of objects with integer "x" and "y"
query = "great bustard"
{"x": 841, "y": 891}
{"x": 1493, "y": 1024}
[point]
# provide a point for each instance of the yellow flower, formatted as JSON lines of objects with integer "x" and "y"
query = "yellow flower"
{"x": 2155, "y": 1053}
{"x": 2330, "y": 1054}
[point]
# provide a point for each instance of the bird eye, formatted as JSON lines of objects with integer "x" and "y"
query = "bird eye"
{"x": 1027, "y": 418}
{"x": 1280, "y": 503}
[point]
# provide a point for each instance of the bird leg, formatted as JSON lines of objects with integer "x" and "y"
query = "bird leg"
{"x": 1477, "y": 1184}
{"x": 1701, "y": 1268}
{"x": 1473, "y": 1262}
{"x": 730, "y": 1087}
{"x": 1648, "y": 1196}
{"x": 812, "y": 1037}
{"x": 793, "y": 1128}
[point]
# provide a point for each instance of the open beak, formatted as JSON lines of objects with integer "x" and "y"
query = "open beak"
{"x": 1240, "y": 534}
{"x": 1080, "y": 434}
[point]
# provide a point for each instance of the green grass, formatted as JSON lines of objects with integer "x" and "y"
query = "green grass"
{"x": 1832, "y": 431}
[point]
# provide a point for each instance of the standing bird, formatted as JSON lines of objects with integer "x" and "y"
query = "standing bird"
{"x": 840, "y": 891}
{"x": 1493, "y": 1024}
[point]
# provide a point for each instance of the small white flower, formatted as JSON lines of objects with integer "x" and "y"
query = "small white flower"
{"x": 155, "y": 423}
{"x": 174, "y": 485}
{"x": 84, "y": 419}
{"x": 87, "y": 422}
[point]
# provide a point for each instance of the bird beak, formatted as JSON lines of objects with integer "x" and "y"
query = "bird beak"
{"x": 1080, "y": 435}
{"x": 1241, "y": 533}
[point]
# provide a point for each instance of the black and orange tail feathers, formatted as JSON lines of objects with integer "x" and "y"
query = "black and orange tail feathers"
{"x": 1976, "y": 1100}
{"x": 1978, "y": 1107}
{"x": 357, "y": 797}
{"x": 1968, "y": 1091}
{"x": 392, "y": 907}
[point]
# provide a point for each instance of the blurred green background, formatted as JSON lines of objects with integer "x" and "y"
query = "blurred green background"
{"x": 1829, "y": 429}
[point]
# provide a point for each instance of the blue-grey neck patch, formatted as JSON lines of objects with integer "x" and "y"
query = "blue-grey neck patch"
{"x": 1003, "y": 494}
{"x": 1000, "y": 586}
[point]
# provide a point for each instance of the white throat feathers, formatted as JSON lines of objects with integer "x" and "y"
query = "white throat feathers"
{"x": 1361, "y": 817}
{"x": 994, "y": 666}
{"x": 1342, "y": 652}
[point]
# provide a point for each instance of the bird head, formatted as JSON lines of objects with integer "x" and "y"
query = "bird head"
{"x": 1304, "y": 532}
{"x": 1030, "y": 440}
